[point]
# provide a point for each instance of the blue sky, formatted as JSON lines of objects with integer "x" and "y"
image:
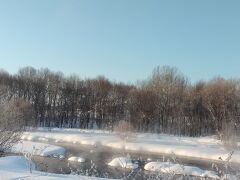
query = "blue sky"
{"x": 122, "y": 40}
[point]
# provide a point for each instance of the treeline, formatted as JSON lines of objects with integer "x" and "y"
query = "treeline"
{"x": 165, "y": 102}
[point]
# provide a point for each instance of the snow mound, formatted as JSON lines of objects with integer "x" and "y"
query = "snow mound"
{"x": 76, "y": 159}
{"x": 123, "y": 162}
{"x": 39, "y": 149}
{"x": 171, "y": 168}
{"x": 53, "y": 151}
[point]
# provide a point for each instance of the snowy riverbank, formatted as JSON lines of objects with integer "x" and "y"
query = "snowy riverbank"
{"x": 16, "y": 167}
{"x": 208, "y": 148}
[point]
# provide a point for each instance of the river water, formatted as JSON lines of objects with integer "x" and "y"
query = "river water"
{"x": 98, "y": 157}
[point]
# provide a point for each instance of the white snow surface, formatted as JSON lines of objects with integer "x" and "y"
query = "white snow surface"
{"x": 171, "y": 168}
{"x": 15, "y": 167}
{"x": 39, "y": 149}
{"x": 77, "y": 159}
{"x": 208, "y": 148}
{"x": 123, "y": 162}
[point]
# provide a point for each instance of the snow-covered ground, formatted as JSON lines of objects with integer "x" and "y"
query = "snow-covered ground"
{"x": 16, "y": 167}
{"x": 208, "y": 148}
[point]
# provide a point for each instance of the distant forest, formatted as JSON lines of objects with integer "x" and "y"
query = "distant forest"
{"x": 165, "y": 102}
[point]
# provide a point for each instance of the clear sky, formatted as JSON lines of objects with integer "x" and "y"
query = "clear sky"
{"x": 122, "y": 39}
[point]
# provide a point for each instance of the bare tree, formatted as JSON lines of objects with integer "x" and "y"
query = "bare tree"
{"x": 13, "y": 117}
{"x": 166, "y": 102}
